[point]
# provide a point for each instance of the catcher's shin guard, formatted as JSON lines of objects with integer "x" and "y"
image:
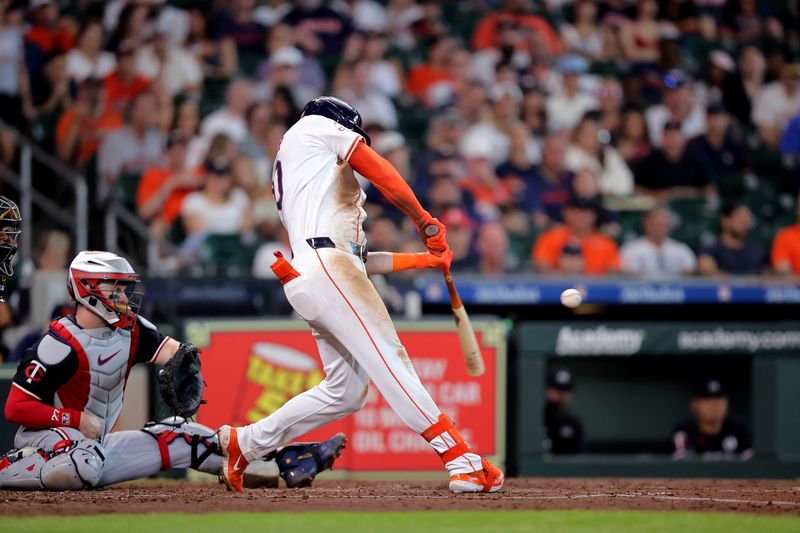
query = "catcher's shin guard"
{"x": 468, "y": 471}
{"x": 300, "y": 463}
{"x": 73, "y": 466}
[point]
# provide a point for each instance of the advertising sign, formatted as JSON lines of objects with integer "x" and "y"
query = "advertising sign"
{"x": 251, "y": 368}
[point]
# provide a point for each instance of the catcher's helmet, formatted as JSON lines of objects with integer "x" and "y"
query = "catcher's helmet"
{"x": 339, "y": 111}
{"x": 107, "y": 285}
{"x": 9, "y": 234}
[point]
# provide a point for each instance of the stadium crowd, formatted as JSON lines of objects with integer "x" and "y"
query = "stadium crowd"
{"x": 650, "y": 137}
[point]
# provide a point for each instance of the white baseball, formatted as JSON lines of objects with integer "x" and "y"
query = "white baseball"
{"x": 571, "y": 298}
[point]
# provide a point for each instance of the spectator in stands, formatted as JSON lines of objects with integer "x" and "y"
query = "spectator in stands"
{"x": 492, "y": 247}
{"x": 776, "y": 103}
{"x": 609, "y": 103}
{"x": 444, "y": 193}
{"x": 238, "y": 24}
{"x": 671, "y": 171}
{"x": 288, "y": 66}
{"x": 576, "y": 247}
{"x": 30, "y": 338}
{"x": 493, "y": 131}
{"x": 566, "y": 106}
{"x": 518, "y": 170}
{"x": 733, "y": 254}
{"x": 750, "y": 78}
{"x": 640, "y": 37}
{"x": 786, "y": 248}
{"x": 352, "y": 84}
{"x": 481, "y": 181}
{"x": 131, "y": 149}
{"x": 484, "y": 63}
{"x": 216, "y": 57}
{"x": 425, "y": 77}
{"x": 131, "y": 26}
{"x": 517, "y": 12}
{"x": 564, "y": 428}
{"x": 723, "y": 154}
{"x": 550, "y": 186}
{"x": 16, "y": 104}
{"x": 186, "y": 120}
{"x": 254, "y": 144}
{"x": 217, "y": 208}
{"x": 88, "y": 59}
{"x": 230, "y": 120}
{"x": 383, "y": 234}
{"x": 284, "y": 108}
{"x": 84, "y": 124}
{"x": 124, "y": 83}
{"x": 631, "y": 139}
{"x": 169, "y": 64}
{"x": 582, "y": 35}
{"x": 655, "y": 253}
{"x": 385, "y": 75}
{"x": 711, "y": 434}
{"x": 439, "y": 156}
{"x": 790, "y": 148}
{"x": 591, "y": 149}
{"x": 51, "y": 95}
{"x": 679, "y": 106}
{"x": 320, "y": 30}
{"x": 162, "y": 189}
{"x": 460, "y": 234}
{"x": 46, "y": 35}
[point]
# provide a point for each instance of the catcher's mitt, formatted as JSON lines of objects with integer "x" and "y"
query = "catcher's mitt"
{"x": 180, "y": 381}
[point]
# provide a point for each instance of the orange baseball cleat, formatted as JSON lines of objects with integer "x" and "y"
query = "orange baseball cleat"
{"x": 490, "y": 479}
{"x": 233, "y": 461}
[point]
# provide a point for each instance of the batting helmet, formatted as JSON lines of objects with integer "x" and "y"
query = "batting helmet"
{"x": 338, "y": 111}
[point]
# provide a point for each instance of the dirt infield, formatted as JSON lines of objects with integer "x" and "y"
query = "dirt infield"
{"x": 744, "y": 496}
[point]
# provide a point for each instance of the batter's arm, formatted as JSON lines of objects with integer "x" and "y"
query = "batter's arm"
{"x": 388, "y": 181}
{"x": 386, "y": 262}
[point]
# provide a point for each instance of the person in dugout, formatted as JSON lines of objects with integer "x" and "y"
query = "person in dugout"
{"x": 710, "y": 433}
{"x": 564, "y": 429}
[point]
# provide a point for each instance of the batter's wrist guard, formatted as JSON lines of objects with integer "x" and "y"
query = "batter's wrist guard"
{"x": 407, "y": 261}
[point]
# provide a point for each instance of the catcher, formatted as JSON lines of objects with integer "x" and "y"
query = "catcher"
{"x": 68, "y": 390}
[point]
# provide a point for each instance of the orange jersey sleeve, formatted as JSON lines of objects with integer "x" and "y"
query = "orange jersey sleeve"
{"x": 388, "y": 181}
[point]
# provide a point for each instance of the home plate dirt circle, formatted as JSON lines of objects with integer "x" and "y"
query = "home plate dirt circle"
{"x": 743, "y": 496}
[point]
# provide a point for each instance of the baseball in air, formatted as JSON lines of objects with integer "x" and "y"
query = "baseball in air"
{"x": 571, "y": 298}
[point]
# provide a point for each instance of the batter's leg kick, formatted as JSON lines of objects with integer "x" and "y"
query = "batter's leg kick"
{"x": 63, "y": 459}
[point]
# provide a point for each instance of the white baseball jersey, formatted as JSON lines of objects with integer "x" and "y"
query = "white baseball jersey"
{"x": 314, "y": 187}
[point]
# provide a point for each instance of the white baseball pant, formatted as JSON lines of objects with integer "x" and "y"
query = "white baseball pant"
{"x": 357, "y": 343}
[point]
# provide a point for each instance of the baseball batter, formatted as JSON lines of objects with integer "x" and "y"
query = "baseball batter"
{"x": 67, "y": 396}
{"x": 320, "y": 205}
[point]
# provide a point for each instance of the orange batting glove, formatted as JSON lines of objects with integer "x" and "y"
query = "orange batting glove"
{"x": 434, "y": 235}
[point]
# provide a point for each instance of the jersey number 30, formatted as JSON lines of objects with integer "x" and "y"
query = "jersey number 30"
{"x": 277, "y": 185}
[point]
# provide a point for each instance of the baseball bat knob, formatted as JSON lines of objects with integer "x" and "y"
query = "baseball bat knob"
{"x": 431, "y": 230}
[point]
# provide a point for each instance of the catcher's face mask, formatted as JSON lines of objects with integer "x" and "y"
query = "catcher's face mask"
{"x": 9, "y": 239}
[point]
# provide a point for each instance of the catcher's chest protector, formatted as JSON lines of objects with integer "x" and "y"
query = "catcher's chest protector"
{"x": 102, "y": 372}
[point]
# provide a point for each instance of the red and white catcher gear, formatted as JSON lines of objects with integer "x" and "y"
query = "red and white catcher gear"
{"x": 97, "y": 281}
{"x": 468, "y": 471}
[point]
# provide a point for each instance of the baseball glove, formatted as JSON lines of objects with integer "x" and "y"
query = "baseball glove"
{"x": 180, "y": 381}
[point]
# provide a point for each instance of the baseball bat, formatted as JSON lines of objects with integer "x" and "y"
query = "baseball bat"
{"x": 466, "y": 334}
